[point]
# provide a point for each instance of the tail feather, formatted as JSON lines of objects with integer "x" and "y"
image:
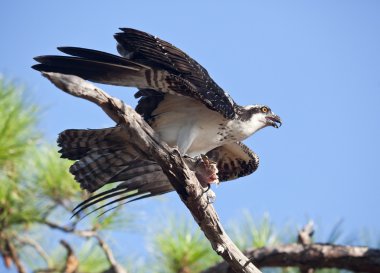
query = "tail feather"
{"x": 127, "y": 195}
{"x": 140, "y": 169}
{"x": 99, "y": 168}
{"x": 104, "y": 156}
{"x": 97, "y": 196}
{"x": 143, "y": 182}
{"x": 86, "y": 205}
{"x": 131, "y": 190}
{"x": 75, "y": 144}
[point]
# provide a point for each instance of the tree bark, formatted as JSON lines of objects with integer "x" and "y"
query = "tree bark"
{"x": 15, "y": 257}
{"x": 354, "y": 258}
{"x": 305, "y": 238}
{"x": 72, "y": 263}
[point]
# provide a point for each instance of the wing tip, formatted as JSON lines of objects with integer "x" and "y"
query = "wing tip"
{"x": 66, "y": 49}
{"x": 39, "y": 67}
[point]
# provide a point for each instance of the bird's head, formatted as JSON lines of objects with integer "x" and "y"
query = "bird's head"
{"x": 257, "y": 117}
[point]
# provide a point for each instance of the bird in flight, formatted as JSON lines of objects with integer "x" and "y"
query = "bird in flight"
{"x": 177, "y": 98}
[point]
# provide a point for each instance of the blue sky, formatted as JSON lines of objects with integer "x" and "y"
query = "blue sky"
{"x": 315, "y": 63}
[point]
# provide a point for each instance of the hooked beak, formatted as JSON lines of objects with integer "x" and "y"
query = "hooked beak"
{"x": 274, "y": 120}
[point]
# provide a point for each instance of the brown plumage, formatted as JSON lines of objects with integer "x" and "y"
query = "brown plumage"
{"x": 177, "y": 97}
{"x": 104, "y": 156}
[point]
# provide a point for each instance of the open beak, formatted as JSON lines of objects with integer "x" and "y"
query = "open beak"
{"x": 274, "y": 120}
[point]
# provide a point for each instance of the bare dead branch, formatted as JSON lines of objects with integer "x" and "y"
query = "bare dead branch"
{"x": 38, "y": 248}
{"x": 305, "y": 234}
{"x": 182, "y": 179}
{"x": 72, "y": 263}
{"x": 304, "y": 238}
{"x": 69, "y": 229}
{"x": 4, "y": 250}
{"x": 308, "y": 256}
{"x": 115, "y": 266}
{"x": 15, "y": 257}
{"x": 354, "y": 258}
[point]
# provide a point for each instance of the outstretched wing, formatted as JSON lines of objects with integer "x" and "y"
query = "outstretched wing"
{"x": 234, "y": 160}
{"x": 104, "y": 157}
{"x": 147, "y": 49}
{"x": 147, "y": 63}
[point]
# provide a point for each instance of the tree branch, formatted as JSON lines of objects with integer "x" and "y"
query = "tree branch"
{"x": 308, "y": 256}
{"x": 91, "y": 233}
{"x": 15, "y": 257}
{"x": 304, "y": 238}
{"x": 354, "y": 258}
{"x": 69, "y": 229}
{"x": 115, "y": 266}
{"x": 305, "y": 234}
{"x": 72, "y": 263}
{"x": 182, "y": 179}
{"x": 38, "y": 248}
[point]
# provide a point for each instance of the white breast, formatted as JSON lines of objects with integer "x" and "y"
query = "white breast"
{"x": 184, "y": 122}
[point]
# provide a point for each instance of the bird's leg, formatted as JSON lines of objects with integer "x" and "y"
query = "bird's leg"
{"x": 206, "y": 173}
{"x": 205, "y": 170}
{"x": 210, "y": 170}
{"x": 211, "y": 196}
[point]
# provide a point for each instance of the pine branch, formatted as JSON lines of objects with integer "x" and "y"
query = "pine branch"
{"x": 354, "y": 258}
{"x": 304, "y": 238}
{"x": 308, "y": 256}
{"x": 72, "y": 263}
{"x": 15, "y": 257}
{"x": 115, "y": 266}
{"x": 90, "y": 233}
{"x": 70, "y": 229}
{"x": 37, "y": 247}
{"x": 182, "y": 179}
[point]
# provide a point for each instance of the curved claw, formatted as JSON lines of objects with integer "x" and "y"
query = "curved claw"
{"x": 211, "y": 197}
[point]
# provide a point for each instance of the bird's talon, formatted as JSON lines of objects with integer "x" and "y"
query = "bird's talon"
{"x": 206, "y": 171}
{"x": 211, "y": 197}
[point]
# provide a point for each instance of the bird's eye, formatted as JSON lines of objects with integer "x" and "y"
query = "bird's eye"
{"x": 264, "y": 109}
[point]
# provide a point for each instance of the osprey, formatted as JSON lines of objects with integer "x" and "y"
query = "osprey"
{"x": 177, "y": 98}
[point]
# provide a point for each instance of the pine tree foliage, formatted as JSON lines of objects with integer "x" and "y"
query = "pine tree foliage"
{"x": 37, "y": 194}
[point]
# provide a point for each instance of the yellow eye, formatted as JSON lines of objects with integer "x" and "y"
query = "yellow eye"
{"x": 264, "y": 109}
